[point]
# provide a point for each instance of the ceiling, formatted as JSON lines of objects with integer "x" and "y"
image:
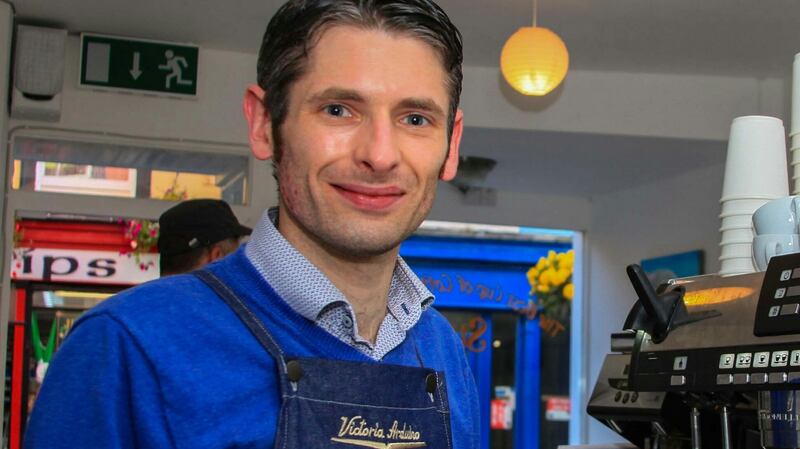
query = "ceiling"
{"x": 733, "y": 37}
{"x": 584, "y": 165}
{"x": 755, "y": 38}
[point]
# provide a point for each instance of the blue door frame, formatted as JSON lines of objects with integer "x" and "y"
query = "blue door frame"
{"x": 489, "y": 276}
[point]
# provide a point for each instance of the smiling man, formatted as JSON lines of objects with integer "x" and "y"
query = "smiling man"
{"x": 316, "y": 334}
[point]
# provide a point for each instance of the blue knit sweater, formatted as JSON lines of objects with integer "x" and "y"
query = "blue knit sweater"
{"x": 168, "y": 365}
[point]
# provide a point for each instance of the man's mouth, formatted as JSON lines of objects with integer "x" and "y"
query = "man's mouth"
{"x": 370, "y": 197}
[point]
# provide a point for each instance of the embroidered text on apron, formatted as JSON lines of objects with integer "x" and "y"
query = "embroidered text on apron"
{"x": 342, "y": 404}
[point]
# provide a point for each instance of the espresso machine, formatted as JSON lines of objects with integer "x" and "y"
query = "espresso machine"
{"x": 707, "y": 362}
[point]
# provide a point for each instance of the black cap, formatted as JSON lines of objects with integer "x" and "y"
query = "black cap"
{"x": 195, "y": 224}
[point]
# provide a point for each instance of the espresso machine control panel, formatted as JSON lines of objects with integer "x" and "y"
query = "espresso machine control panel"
{"x": 736, "y": 333}
{"x": 778, "y": 309}
{"x": 774, "y": 367}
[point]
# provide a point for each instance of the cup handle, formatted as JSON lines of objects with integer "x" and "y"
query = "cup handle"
{"x": 796, "y": 213}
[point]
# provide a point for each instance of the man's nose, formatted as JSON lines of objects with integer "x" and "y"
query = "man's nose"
{"x": 379, "y": 148}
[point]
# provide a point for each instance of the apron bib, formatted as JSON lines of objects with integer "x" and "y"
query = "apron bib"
{"x": 341, "y": 404}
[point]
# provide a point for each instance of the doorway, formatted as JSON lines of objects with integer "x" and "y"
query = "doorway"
{"x": 481, "y": 286}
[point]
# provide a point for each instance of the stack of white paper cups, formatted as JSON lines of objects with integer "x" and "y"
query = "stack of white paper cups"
{"x": 794, "y": 132}
{"x": 755, "y": 172}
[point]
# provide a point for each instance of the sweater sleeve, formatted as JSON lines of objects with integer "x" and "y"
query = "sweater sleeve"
{"x": 100, "y": 392}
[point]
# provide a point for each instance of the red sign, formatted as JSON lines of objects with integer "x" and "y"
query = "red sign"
{"x": 502, "y": 416}
{"x": 557, "y": 408}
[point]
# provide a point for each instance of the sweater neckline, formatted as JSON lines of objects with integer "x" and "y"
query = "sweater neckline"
{"x": 244, "y": 279}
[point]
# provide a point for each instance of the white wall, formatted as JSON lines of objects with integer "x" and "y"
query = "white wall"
{"x": 637, "y": 104}
{"x": 665, "y": 217}
{"x": 515, "y": 208}
{"x": 680, "y": 106}
{"x": 215, "y": 115}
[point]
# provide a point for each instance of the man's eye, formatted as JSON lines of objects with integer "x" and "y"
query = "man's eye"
{"x": 337, "y": 110}
{"x": 416, "y": 120}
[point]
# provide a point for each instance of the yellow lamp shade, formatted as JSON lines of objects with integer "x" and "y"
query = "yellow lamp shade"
{"x": 534, "y": 61}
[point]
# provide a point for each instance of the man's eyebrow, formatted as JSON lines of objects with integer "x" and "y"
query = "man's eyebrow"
{"x": 336, "y": 93}
{"x": 422, "y": 104}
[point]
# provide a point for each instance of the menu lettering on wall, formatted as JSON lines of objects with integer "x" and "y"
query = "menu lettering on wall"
{"x": 444, "y": 283}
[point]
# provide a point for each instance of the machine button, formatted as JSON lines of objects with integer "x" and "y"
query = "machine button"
{"x": 790, "y": 309}
{"x": 625, "y": 398}
{"x": 679, "y": 363}
{"x": 761, "y": 359}
{"x": 780, "y": 293}
{"x": 726, "y": 361}
{"x": 634, "y": 397}
{"x": 774, "y": 311}
{"x": 777, "y": 378}
{"x": 758, "y": 378}
{"x": 794, "y": 358}
{"x": 780, "y": 358}
{"x": 724, "y": 379}
{"x": 741, "y": 378}
{"x": 677, "y": 381}
{"x": 793, "y": 378}
{"x": 743, "y": 359}
{"x": 786, "y": 275}
{"x": 618, "y": 396}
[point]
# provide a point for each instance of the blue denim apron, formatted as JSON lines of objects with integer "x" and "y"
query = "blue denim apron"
{"x": 341, "y": 404}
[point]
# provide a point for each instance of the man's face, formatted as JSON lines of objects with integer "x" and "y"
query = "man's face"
{"x": 364, "y": 142}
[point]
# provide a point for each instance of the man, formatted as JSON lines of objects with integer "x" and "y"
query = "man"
{"x": 195, "y": 233}
{"x": 317, "y": 334}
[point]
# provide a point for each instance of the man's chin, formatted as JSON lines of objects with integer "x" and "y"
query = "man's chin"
{"x": 362, "y": 243}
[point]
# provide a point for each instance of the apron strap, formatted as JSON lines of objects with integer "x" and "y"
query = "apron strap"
{"x": 247, "y": 317}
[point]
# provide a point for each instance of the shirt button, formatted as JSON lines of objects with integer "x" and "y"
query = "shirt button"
{"x": 347, "y": 322}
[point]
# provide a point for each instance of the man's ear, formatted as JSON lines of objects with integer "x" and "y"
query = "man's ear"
{"x": 450, "y": 166}
{"x": 258, "y": 122}
{"x": 215, "y": 252}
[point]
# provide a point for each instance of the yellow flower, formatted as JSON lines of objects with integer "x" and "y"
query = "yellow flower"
{"x": 532, "y": 274}
{"x": 541, "y": 264}
{"x": 569, "y": 291}
{"x": 551, "y": 256}
{"x": 548, "y": 277}
{"x": 561, "y": 276}
{"x": 542, "y": 288}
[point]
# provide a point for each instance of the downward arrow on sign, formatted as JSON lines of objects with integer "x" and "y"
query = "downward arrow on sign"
{"x": 135, "y": 72}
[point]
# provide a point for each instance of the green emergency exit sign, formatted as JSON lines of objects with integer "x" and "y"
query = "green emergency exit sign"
{"x": 137, "y": 64}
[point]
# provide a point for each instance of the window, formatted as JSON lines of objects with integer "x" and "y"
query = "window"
{"x": 44, "y": 164}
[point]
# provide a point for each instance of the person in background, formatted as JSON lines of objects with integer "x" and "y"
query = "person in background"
{"x": 195, "y": 233}
{"x": 316, "y": 334}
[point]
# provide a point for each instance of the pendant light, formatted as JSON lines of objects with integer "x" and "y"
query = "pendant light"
{"x": 534, "y": 60}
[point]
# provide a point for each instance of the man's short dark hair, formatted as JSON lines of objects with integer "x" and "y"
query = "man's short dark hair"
{"x": 190, "y": 260}
{"x": 293, "y": 30}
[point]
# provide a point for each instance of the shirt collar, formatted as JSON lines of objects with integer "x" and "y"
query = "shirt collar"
{"x": 308, "y": 291}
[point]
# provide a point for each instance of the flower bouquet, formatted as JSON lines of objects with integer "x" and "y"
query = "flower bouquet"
{"x": 551, "y": 283}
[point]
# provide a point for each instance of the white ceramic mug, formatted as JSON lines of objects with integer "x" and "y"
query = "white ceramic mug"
{"x": 779, "y": 216}
{"x": 766, "y": 246}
